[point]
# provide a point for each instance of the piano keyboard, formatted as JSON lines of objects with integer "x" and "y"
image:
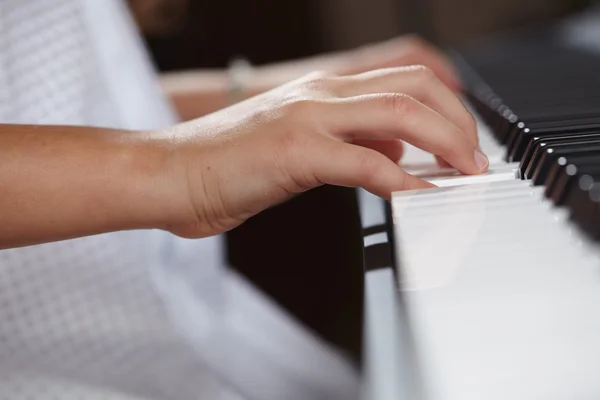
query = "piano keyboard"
{"x": 500, "y": 273}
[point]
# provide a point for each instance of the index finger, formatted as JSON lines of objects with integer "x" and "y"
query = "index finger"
{"x": 395, "y": 116}
{"x": 419, "y": 82}
{"x": 345, "y": 164}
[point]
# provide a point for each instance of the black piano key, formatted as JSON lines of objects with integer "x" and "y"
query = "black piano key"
{"x": 583, "y": 201}
{"x": 567, "y": 177}
{"x": 491, "y": 109}
{"x": 537, "y": 142}
{"x": 561, "y": 167}
{"x": 553, "y": 152}
{"x": 556, "y": 171}
{"x": 557, "y": 121}
{"x": 563, "y": 183}
{"x": 570, "y": 111}
{"x": 514, "y": 134}
{"x": 553, "y": 96}
{"x": 532, "y": 130}
{"x": 506, "y": 123}
{"x": 574, "y": 163}
{"x": 541, "y": 100}
{"x": 521, "y": 149}
{"x": 494, "y": 116}
{"x": 594, "y": 221}
{"x": 540, "y": 149}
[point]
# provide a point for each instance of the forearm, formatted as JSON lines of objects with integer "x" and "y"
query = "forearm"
{"x": 64, "y": 182}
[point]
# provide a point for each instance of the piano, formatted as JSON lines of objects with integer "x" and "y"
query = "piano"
{"x": 488, "y": 286}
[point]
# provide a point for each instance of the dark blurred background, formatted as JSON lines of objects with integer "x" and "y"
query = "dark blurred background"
{"x": 207, "y": 33}
{"x": 307, "y": 253}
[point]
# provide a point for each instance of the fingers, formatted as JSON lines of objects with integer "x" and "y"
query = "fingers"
{"x": 418, "y": 82}
{"x": 345, "y": 164}
{"x": 392, "y": 149}
{"x": 397, "y": 116}
{"x": 441, "y": 163}
{"x": 418, "y": 51}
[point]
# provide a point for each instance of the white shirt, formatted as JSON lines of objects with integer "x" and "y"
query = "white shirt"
{"x": 138, "y": 314}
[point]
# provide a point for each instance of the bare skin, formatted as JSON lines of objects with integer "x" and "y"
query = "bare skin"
{"x": 208, "y": 175}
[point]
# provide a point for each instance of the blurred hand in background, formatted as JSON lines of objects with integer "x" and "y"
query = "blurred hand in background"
{"x": 199, "y": 92}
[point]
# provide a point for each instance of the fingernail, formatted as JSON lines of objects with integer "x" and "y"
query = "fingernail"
{"x": 481, "y": 160}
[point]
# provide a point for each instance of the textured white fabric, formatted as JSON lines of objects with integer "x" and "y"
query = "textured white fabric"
{"x": 139, "y": 314}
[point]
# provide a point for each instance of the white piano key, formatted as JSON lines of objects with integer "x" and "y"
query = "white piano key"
{"x": 473, "y": 207}
{"x": 447, "y": 198}
{"x": 435, "y": 172}
{"x": 490, "y": 176}
{"x": 480, "y": 293}
{"x": 449, "y": 190}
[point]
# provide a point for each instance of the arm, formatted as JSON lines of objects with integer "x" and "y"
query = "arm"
{"x": 209, "y": 175}
{"x": 62, "y": 182}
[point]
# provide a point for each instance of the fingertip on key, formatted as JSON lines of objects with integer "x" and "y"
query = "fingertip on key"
{"x": 481, "y": 161}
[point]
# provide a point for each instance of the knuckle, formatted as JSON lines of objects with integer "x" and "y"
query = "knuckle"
{"x": 293, "y": 162}
{"x": 368, "y": 165}
{"x": 320, "y": 84}
{"x": 425, "y": 78}
{"x": 424, "y": 72}
{"x": 455, "y": 146}
{"x": 319, "y": 80}
{"x": 301, "y": 107}
{"x": 415, "y": 42}
{"x": 402, "y": 106}
{"x": 468, "y": 124}
{"x": 471, "y": 123}
{"x": 318, "y": 74}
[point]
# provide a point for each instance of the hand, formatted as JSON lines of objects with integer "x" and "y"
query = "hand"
{"x": 320, "y": 129}
{"x": 402, "y": 51}
{"x": 198, "y": 93}
{"x": 405, "y": 50}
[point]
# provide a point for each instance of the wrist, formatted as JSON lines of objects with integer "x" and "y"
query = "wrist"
{"x": 155, "y": 184}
